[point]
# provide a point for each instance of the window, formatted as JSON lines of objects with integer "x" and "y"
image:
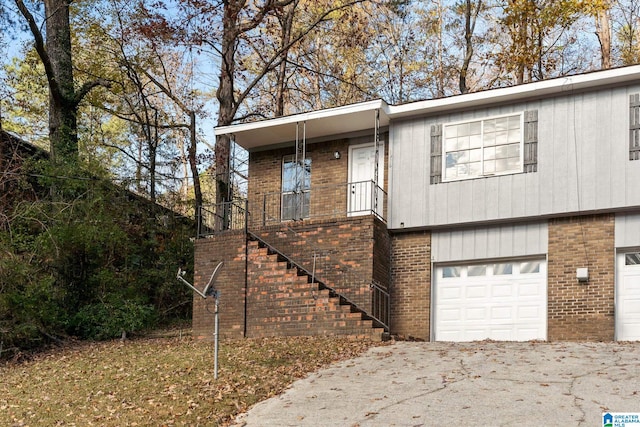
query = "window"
{"x": 483, "y": 147}
{"x": 632, "y": 259}
{"x": 296, "y": 186}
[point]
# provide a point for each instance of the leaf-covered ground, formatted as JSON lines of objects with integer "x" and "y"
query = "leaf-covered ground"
{"x": 160, "y": 382}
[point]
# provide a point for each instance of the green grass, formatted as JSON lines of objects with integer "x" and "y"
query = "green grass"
{"x": 158, "y": 382}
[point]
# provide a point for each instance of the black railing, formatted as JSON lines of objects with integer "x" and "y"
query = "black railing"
{"x": 326, "y": 201}
{"x": 213, "y": 219}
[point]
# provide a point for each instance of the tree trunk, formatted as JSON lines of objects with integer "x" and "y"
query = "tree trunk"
{"x": 470, "y": 17}
{"x": 193, "y": 163}
{"x": 63, "y": 128}
{"x": 226, "y": 100}
{"x": 286, "y": 24}
{"x": 603, "y": 31}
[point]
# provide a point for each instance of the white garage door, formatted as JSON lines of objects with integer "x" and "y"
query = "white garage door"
{"x": 501, "y": 301}
{"x": 628, "y": 297}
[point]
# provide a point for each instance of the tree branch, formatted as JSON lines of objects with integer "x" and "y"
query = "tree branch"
{"x": 42, "y": 51}
{"x": 85, "y": 88}
{"x": 268, "y": 66}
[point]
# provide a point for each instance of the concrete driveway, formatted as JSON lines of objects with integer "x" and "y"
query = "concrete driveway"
{"x": 463, "y": 384}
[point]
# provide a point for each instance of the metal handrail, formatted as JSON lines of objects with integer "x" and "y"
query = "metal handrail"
{"x": 345, "y": 199}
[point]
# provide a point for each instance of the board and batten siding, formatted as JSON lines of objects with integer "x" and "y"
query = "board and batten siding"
{"x": 494, "y": 242}
{"x": 583, "y": 165}
{"x": 627, "y": 234}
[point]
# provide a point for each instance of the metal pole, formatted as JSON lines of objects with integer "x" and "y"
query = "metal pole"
{"x": 215, "y": 342}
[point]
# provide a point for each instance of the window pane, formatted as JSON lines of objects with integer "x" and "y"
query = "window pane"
{"x": 502, "y": 124}
{"x": 514, "y": 122}
{"x": 451, "y": 144}
{"x": 489, "y": 166}
{"x": 514, "y": 135}
{"x": 475, "y": 141}
{"x": 514, "y": 163}
{"x": 477, "y": 270}
{"x": 475, "y": 155}
{"x": 502, "y": 165}
{"x": 501, "y": 138}
{"x": 489, "y": 139}
{"x": 632, "y": 259}
{"x": 501, "y": 152}
{"x": 502, "y": 269}
{"x": 295, "y": 205}
{"x": 463, "y": 142}
{"x": 489, "y": 126}
{"x": 451, "y": 272}
{"x": 475, "y": 168}
{"x": 514, "y": 150}
{"x": 490, "y": 153}
{"x": 450, "y": 172}
{"x": 451, "y": 132}
{"x": 475, "y": 128}
{"x": 530, "y": 267}
{"x": 452, "y": 159}
{"x": 463, "y": 129}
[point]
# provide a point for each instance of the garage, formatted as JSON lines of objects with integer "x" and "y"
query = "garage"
{"x": 503, "y": 301}
{"x": 628, "y": 297}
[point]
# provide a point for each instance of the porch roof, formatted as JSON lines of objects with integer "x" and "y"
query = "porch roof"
{"x": 360, "y": 116}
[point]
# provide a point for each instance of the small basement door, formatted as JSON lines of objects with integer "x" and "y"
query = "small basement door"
{"x": 628, "y": 297}
{"x": 504, "y": 301}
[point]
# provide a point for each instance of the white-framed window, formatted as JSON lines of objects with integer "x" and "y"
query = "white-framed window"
{"x": 482, "y": 147}
{"x": 296, "y": 188}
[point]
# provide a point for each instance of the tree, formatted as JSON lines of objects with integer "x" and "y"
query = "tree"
{"x": 536, "y": 29}
{"x": 56, "y": 56}
{"x": 602, "y": 12}
{"x": 239, "y": 22}
{"x": 470, "y": 11}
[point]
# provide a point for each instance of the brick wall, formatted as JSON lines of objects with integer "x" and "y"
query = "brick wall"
{"x": 581, "y": 311}
{"x": 328, "y": 180}
{"x": 327, "y": 196}
{"x": 345, "y": 249}
{"x": 411, "y": 284}
{"x": 228, "y": 247}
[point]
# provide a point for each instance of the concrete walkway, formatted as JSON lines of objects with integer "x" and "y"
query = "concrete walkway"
{"x": 463, "y": 384}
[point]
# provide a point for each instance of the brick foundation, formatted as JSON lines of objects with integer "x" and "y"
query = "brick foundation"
{"x": 228, "y": 247}
{"x": 411, "y": 284}
{"x": 353, "y": 251}
{"x": 581, "y": 311}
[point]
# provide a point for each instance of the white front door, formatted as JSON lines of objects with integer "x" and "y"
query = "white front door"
{"x": 504, "y": 301}
{"x": 362, "y": 190}
{"x": 628, "y": 297}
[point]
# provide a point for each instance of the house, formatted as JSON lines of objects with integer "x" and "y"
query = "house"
{"x": 510, "y": 214}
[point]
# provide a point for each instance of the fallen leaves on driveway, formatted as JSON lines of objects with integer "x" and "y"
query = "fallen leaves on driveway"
{"x": 168, "y": 382}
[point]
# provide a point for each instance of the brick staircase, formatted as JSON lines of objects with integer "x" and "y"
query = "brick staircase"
{"x": 285, "y": 302}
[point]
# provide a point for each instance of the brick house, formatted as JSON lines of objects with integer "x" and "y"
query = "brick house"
{"x": 509, "y": 214}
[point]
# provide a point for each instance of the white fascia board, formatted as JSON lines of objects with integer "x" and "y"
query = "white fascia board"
{"x": 545, "y": 88}
{"x": 331, "y": 121}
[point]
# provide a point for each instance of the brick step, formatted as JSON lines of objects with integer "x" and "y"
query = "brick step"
{"x": 291, "y": 305}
